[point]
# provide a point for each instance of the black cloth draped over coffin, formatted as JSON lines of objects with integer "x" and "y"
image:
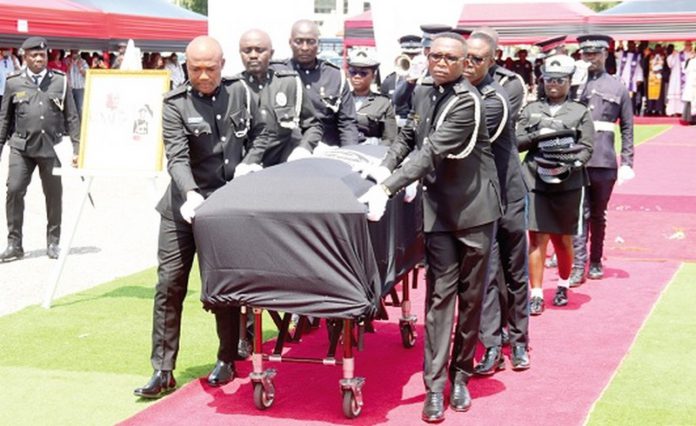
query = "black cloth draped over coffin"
{"x": 294, "y": 238}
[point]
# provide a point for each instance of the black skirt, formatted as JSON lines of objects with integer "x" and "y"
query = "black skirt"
{"x": 556, "y": 212}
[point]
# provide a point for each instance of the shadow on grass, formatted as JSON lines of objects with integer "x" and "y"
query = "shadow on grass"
{"x": 32, "y": 254}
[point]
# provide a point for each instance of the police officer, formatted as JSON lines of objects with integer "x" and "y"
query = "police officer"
{"x": 325, "y": 83}
{"x": 401, "y": 99}
{"x": 547, "y": 47}
{"x": 376, "y": 119}
{"x": 452, "y": 153}
{"x": 410, "y": 48}
{"x": 557, "y": 133}
{"x": 37, "y": 110}
{"x": 507, "y": 270}
{"x": 293, "y": 125}
{"x": 206, "y": 124}
{"x": 608, "y": 100}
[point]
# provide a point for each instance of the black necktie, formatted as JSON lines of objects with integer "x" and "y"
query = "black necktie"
{"x": 36, "y": 79}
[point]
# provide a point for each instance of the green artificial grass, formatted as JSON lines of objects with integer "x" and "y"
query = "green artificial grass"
{"x": 641, "y": 134}
{"x": 655, "y": 383}
{"x": 79, "y": 362}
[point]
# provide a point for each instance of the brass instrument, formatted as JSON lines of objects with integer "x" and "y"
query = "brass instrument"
{"x": 402, "y": 64}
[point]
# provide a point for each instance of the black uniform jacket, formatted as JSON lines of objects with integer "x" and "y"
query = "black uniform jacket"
{"x": 329, "y": 92}
{"x": 608, "y": 100}
{"x": 290, "y": 118}
{"x": 36, "y": 117}
{"x": 536, "y": 116}
{"x": 514, "y": 87}
{"x": 501, "y": 130}
{"x": 205, "y": 137}
{"x": 376, "y": 118}
{"x": 447, "y": 131}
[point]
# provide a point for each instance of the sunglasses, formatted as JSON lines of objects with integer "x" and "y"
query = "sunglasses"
{"x": 449, "y": 59}
{"x": 476, "y": 60}
{"x": 555, "y": 80}
{"x": 355, "y": 71}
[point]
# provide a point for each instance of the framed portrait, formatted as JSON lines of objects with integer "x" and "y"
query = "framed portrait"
{"x": 122, "y": 121}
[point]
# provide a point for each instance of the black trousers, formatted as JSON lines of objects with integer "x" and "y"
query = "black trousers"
{"x": 457, "y": 263}
{"x": 18, "y": 178}
{"x": 176, "y": 249}
{"x": 595, "y": 213}
{"x": 506, "y": 299}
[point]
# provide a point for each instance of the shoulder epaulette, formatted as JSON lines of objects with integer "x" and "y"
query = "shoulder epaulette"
{"x": 487, "y": 90}
{"x": 178, "y": 91}
{"x": 231, "y": 78}
{"x": 279, "y": 61}
{"x": 503, "y": 71}
{"x": 427, "y": 81}
{"x": 58, "y": 72}
{"x": 286, "y": 73}
{"x": 331, "y": 64}
{"x": 461, "y": 87}
{"x": 14, "y": 74}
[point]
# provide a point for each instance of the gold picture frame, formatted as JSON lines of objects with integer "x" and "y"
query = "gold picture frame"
{"x": 121, "y": 128}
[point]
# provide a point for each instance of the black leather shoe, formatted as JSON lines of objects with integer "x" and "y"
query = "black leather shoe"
{"x": 561, "y": 297}
{"x": 161, "y": 383}
{"x": 504, "y": 337}
{"x": 53, "y": 251}
{"x": 12, "y": 252}
{"x": 596, "y": 271}
{"x": 222, "y": 373}
{"x": 434, "y": 407}
{"x": 491, "y": 362}
{"x": 520, "y": 358}
{"x": 577, "y": 277}
{"x": 536, "y": 306}
{"x": 460, "y": 399}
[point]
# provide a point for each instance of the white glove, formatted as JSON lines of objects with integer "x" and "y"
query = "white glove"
{"x": 626, "y": 173}
{"x": 376, "y": 200}
{"x": 417, "y": 69}
{"x": 188, "y": 209}
{"x": 410, "y": 192}
{"x": 243, "y": 169}
{"x": 378, "y": 173}
{"x": 545, "y": 131}
{"x": 299, "y": 153}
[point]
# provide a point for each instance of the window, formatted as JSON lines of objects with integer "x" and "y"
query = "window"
{"x": 324, "y": 6}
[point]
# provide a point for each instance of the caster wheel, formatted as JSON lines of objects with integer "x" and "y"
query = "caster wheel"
{"x": 408, "y": 336}
{"x": 262, "y": 399}
{"x": 351, "y": 408}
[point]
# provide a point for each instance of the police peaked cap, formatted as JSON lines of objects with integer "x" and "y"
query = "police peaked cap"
{"x": 429, "y": 30}
{"x": 33, "y": 43}
{"x": 558, "y": 66}
{"x": 549, "y": 44}
{"x": 410, "y": 43}
{"x": 362, "y": 59}
{"x": 594, "y": 42}
{"x": 464, "y": 32}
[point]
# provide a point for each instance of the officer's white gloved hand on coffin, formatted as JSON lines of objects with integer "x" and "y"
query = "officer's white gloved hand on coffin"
{"x": 626, "y": 173}
{"x": 376, "y": 199}
{"x": 377, "y": 173}
{"x": 243, "y": 169}
{"x": 188, "y": 209}
{"x": 299, "y": 153}
{"x": 410, "y": 192}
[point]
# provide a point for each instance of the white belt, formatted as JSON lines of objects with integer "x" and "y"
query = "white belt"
{"x": 604, "y": 126}
{"x": 400, "y": 122}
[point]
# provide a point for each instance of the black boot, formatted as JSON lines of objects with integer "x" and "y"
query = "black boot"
{"x": 434, "y": 408}
{"x": 222, "y": 373}
{"x": 161, "y": 383}
{"x": 520, "y": 358}
{"x": 13, "y": 251}
{"x": 460, "y": 399}
{"x": 492, "y": 361}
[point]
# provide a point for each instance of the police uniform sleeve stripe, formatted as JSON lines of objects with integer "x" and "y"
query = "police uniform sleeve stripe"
{"x": 504, "y": 120}
{"x": 298, "y": 99}
{"x": 243, "y": 133}
{"x": 524, "y": 89}
{"x": 474, "y": 135}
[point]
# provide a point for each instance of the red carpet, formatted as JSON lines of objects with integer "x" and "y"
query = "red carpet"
{"x": 574, "y": 351}
{"x": 654, "y": 215}
{"x": 656, "y": 120}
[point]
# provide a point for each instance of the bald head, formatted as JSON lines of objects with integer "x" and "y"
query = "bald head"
{"x": 490, "y": 32}
{"x": 304, "y": 42}
{"x": 204, "y": 63}
{"x": 256, "y": 51}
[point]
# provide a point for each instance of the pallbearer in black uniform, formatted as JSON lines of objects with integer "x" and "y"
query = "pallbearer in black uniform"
{"x": 326, "y": 85}
{"x": 291, "y": 120}
{"x": 376, "y": 119}
{"x": 37, "y": 111}
{"x": 208, "y": 124}
{"x": 557, "y": 133}
{"x": 507, "y": 270}
{"x": 447, "y": 131}
{"x": 608, "y": 100}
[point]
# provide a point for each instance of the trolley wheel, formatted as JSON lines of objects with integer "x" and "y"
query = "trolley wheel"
{"x": 261, "y": 398}
{"x": 408, "y": 336}
{"x": 351, "y": 408}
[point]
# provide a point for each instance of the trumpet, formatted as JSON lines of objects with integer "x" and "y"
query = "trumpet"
{"x": 402, "y": 64}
